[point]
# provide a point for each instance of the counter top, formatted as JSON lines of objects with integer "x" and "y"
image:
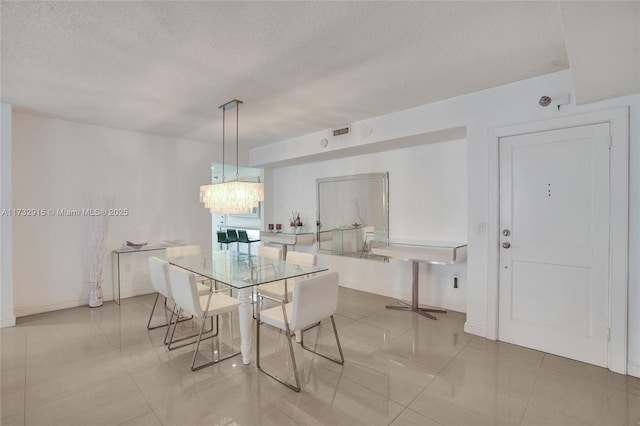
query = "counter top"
{"x": 437, "y": 252}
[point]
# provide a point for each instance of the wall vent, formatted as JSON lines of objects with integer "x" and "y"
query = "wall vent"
{"x": 342, "y": 131}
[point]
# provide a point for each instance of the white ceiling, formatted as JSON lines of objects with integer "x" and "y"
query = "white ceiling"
{"x": 300, "y": 67}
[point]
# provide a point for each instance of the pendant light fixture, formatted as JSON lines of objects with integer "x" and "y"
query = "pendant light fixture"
{"x": 233, "y": 197}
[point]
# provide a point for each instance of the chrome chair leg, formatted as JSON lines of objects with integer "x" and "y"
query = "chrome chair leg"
{"x": 171, "y": 341}
{"x": 215, "y": 361}
{"x": 166, "y": 308}
{"x": 289, "y": 336}
{"x": 152, "y": 311}
{"x": 311, "y": 291}
{"x": 335, "y": 332}
{"x": 298, "y": 333}
{"x": 195, "y": 352}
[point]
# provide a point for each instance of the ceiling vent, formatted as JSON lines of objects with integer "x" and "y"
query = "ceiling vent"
{"x": 342, "y": 131}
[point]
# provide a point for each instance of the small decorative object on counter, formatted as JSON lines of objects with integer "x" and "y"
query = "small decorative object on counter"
{"x": 295, "y": 219}
{"x": 135, "y": 245}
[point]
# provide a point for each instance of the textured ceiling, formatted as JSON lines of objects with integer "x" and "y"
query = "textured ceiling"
{"x": 300, "y": 67}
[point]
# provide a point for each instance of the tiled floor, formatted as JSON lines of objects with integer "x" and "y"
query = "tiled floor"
{"x": 101, "y": 366}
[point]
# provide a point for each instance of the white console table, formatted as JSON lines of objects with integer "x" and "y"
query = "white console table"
{"x": 434, "y": 252}
{"x": 287, "y": 239}
{"x": 115, "y": 262}
{"x": 342, "y": 241}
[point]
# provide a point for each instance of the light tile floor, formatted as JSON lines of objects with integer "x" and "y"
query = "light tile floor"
{"x": 101, "y": 366}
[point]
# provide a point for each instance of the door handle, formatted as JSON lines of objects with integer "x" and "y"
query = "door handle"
{"x": 506, "y": 245}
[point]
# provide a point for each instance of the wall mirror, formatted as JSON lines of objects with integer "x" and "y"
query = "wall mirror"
{"x": 353, "y": 214}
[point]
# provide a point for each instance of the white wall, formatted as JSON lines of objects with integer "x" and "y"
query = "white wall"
{"x": 65, "y": 165}
{"x": 428, "y": 201}
{"x": 7, "y": 316}
{"x": 479, "y": 113}
{"x": 634, "y": 238}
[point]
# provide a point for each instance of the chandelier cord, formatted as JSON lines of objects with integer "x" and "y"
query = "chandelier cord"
{"x": 234, "y": 197}
{"x": 237, "y": 141}
{"x": 224, "y": 110}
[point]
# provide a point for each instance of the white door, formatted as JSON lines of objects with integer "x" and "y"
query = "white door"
{"x": 554, "y": 254}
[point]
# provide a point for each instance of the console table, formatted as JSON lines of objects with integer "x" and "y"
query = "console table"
{"x": 115, "y": 262}
{"x": 287, "y": 239}
{"x": 347, "y": 240}
{"x": 434, "y": 252}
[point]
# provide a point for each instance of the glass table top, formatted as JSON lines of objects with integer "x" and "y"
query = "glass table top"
{"x": 286, "y": 232}
{"x": 240, "y": 270}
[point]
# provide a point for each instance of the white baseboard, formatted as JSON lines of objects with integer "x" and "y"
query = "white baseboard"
{"x": 633, "y": 369}
{"x": 456, "y": 308}
{"x": 360, "y": 287}
{"x": 7, "y": 322}
{"x": 474, "y": 329}
{"x": 367, "y": 289}
{"x": 134, "y": 292}
{"x": 24, "y": 311}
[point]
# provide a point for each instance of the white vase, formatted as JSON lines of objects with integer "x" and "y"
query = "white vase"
{"x": 95, "y": 295}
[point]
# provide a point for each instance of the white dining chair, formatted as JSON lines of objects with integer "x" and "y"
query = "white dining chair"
{"x": 186, "y": 297}
{"x": 184, "y": 251}
{"x": 159, "y": 274}
{"x": 283, "y": 290}
{"x": 160, "y": 281}
{"x": 270, "y": 252}
{"x": 314, "y": 299}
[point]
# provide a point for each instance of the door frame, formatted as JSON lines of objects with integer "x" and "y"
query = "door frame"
{"x": 618, "y": 119}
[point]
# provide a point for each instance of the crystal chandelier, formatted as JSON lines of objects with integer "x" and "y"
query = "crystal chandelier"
{"x": 233, "y": 197}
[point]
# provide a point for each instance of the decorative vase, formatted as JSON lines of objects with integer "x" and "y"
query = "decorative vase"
{"x": 95, "y": 295}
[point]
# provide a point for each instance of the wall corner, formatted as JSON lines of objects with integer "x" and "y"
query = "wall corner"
{"x": 7, "y": 313}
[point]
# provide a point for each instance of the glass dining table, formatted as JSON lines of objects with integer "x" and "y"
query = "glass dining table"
{"x": 242, "y": 272}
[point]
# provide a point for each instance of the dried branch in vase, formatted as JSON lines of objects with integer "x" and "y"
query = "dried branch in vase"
{"x": 99, "y": 231}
